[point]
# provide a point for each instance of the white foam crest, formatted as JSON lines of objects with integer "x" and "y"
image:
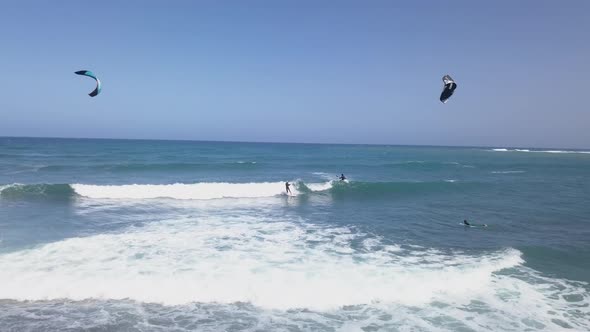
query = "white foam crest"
{"x": 320, "y": 186}
{"x": 207, "y": 190}
{"x": 8, "y": 186}
{"x": 278, "y": 265}
{"x": 540, "y": 151}
{"x": 507, "y": 172}
{"x": 563, "y": 151}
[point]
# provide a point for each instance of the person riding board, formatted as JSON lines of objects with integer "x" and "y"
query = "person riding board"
{"x": 342, "y": 177}
{"x": 287, "y": 187}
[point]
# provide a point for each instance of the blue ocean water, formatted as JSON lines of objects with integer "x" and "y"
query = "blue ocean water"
{"x": 137, "y": 235}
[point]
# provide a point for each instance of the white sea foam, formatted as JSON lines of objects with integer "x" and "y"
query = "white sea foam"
{"x": 507, "y": 172}
{"x": 563, "y": 151}
{"x": 289, "y": 264}
{"x": 320, "y": 186}
{"x": 277, "y": 265}
{"x": 540, "y": 151}
{"x": 208, "y": 190}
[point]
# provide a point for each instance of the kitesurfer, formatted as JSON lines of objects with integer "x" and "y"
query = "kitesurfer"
{"x": 466, "y": 223}
{"x": 342, "y": 177}
{"x": 288, "y": 187}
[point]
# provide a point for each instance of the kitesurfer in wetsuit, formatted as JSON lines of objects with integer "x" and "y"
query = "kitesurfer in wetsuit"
{"x": 342, "y": 177}
{"x": 466, "y": 223}
{"x": 287, "y": 187}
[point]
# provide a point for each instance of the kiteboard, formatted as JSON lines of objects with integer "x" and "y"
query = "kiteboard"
{"x": 473, "y": 225}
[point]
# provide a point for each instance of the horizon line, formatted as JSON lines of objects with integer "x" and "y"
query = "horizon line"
{"x": 271, "y": 142}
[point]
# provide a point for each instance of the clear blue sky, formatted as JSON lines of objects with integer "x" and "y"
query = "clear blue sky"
{"x": 299, "y": 71}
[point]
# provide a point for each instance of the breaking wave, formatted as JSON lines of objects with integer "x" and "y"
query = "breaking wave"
{"x": 539, "y": 151}
{"x": 286, "y": 265}
{"x": 23, "y": 191}
{"x": 218, "y": 190}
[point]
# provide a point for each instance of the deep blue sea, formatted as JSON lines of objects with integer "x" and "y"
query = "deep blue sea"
{"x": 139, "y": 235}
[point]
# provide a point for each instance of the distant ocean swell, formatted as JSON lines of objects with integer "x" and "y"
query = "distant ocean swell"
{"x": 424, "y": 165}
{"x": 217, "y": 190}
{"x": 411, "y": 165}
{"x": 149, "y": 167}
{"x": 240, "y": 165}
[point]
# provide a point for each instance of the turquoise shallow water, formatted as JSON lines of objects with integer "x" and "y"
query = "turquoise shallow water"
{"x": 178, "y": 235}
